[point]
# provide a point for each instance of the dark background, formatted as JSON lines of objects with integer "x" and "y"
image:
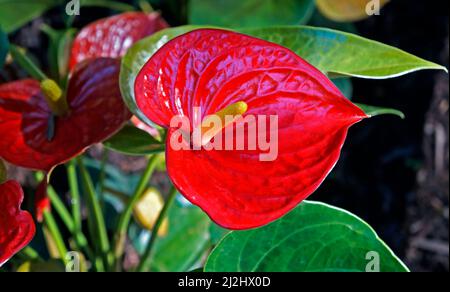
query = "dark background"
{"x": 393, "y": 173}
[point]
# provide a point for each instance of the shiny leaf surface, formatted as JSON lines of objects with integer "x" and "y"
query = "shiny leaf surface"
{"x": 314, "y": 237}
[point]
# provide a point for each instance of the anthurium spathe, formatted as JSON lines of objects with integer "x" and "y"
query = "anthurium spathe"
{"x": 17, "y": 227}
{"x": 36, "y": 136}
{"x": 222, "y": 72}
{"x": 113, "y": 36}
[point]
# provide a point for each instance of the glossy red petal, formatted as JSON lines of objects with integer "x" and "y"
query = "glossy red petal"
{"x": 212, "y": 69}
{"x": 111, "y": 37}
{"x": 96, "y": 112}
{"x": 17, "y": 228}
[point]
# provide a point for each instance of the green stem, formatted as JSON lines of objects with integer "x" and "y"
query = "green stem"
{"x": 60, "y": 208}
{"x": 98, "y": 220}
{"x": 66, "y": 217}
{"x": 125, "y": 218}
{"x": 75, "y": 194}
{"x": 52, "y": 227}
{"x": 102, "y": 176}
{"x": 29, "y": 254}
{"x": 26, "y": 63}
{"x": 147, "y": 257}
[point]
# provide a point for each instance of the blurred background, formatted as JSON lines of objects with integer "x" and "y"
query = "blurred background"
{"x": 393, "y": 173}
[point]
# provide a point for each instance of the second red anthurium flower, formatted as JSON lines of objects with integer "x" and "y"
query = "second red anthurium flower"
{"x": 221, "y": 72}
{"x": 34, "y": 136}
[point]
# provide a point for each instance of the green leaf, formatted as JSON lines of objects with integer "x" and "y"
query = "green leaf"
{"x": 345, "y": 86}
{"x": 186, "y": 241}
{"x": 343, "y": 53}
{"x": 133, "y": 141}
{"x": 312, "y": 237}
{"x": 4, "y": 47}
{"x": 333, "y": 52}
{"x": 59, "y": 50}
{"x": 16, "y": 13}
{"x": 249, "y": 13}
{"x": 114, "y": 5}
{"x": 374, "y": 111}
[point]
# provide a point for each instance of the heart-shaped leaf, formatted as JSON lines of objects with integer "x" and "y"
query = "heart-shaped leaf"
{"x": 17, "y": 227}
{"x": 331, "y": 51}
{"x": 350, "y": 10}
{"x": 96, "y": 112}
{"x": 314, "y": 237}
{"x": 187, "y": 239}
{"x": 4, "y": 47}
{"x": 133, "y": 141}
{"x": 249, "y": 13}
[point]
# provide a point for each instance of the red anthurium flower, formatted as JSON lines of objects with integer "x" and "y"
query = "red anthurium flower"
{"x": 225, "y": 72}
{"x": 111, "y": 37}
{"x": 17, "y": 228}
{"x": 95, "y": 112}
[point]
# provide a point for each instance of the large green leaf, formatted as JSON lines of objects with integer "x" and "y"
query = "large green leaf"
{"x": 333, "y": 52}
{"x": 16, "y": 13}
{"x": 343, "y": 53}
{"x": 4, "y": 47}
{"x": 133, "y": 141}
{"x": 188, "y": 238}
{"x": 313, "y": 237}
{"x": 249, "y": 13}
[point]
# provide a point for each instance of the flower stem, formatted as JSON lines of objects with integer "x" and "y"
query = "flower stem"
{"x": 66, "y": 217}
{"x": 102, "y": 176}
{"x": 96, "y": 211}
{"x": 26, "y": 63}
{"x": 50, "y": 223}
{"x": 125, "y": 218}
{"x": 29, "y": 254}
{"x": 147, "y": 257}
{"x": 74, "y": 193}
